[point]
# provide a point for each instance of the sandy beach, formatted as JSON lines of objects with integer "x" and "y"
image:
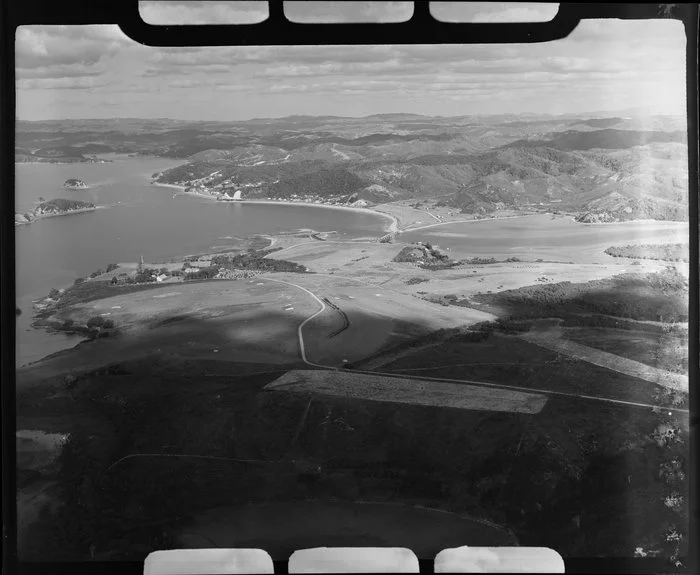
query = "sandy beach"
{"x": 393, "y": 226}
{"x": 175, "y": 186}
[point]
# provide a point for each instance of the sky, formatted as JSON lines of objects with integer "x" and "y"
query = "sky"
{"x": 69, "y": 72}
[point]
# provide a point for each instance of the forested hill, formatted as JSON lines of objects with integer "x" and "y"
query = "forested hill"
{"x": 599, "y": 169}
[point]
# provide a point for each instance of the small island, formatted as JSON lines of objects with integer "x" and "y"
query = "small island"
{"x": 75, "y": 184}
{"x": 55, "y": 207}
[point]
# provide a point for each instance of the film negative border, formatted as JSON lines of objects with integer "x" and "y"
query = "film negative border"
{"x": 277, "y": 30}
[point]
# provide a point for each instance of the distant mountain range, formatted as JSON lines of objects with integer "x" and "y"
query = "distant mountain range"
{"x": 597, "y": 168}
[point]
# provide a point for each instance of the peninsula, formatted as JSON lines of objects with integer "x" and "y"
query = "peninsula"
{"x": 55, "y": 207}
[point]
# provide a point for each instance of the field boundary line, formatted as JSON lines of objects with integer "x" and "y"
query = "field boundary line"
{"x": 463, "y": 381}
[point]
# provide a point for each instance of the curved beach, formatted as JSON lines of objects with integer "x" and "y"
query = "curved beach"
{"x": 393, "y": 226}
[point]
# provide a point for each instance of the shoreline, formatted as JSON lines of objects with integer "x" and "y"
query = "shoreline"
{"x": 656, "y": 222}
{"x": 176, "y": 186}
{"x": 572, "y": 218}
{"x": 393, "y": 226}
{"x": 76, "y": 161}
{"x": 407, "y": 230}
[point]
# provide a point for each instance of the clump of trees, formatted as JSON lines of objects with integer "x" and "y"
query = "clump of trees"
{"x": 64, "y": 205}
{"x": 476, "y": 261}
{"x": 513, "y": 326}
{"x": 147, "y": 275}
{"x": 256, "y": 260}
{"x": 441, "y": 265}
{"x": 667, "y": 252}
{"x": 658, "y": 297}
{"x": 426, "y": 256}
{"x": 98, "y": 323}
{"x": 206, "y": 273}
{"x": 96, "y": 326}
{"x": 480, "y": 261}
{"x": 477, "y": 333}
{"x": 326, "y": 182}
{"x": 416, "y": 280}
{"x": 408, "y": 254}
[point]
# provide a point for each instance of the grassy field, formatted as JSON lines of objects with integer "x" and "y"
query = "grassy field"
{"x": 188, "y": 376}
{"x": 651, "y": 348}
{"x": 533, "y": 473}
{"x": 512, "y": 361}
{"x": 407, "y": 390}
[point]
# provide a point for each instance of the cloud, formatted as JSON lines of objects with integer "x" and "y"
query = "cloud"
{"x": 49, "y": 48}
{"x": 63, "y": 71}
{"x": 213, "y": 12}
{"x": 183, "y": 60}
{"x": 626, "y": 60}
{"x": 337, "y": 12}
{"x": 493, "y": 11}
{"x": 333, "y": 68}
{"x": 157, "y": 72}
{"x": 77, "y": 83}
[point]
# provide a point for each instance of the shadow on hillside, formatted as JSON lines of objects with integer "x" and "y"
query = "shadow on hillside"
{"x": 217, "y": 440}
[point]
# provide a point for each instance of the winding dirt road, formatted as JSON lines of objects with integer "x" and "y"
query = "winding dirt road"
{"x": 302, "y": 349}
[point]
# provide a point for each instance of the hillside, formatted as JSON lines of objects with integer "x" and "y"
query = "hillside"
{"x": 596, "y": 168}
{"x": 608, "y": 139}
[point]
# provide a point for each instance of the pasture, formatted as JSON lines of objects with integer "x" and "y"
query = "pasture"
{"x": 408, "y": 390}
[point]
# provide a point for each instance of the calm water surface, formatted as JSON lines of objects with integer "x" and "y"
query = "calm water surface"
{"x": 137, "y": 218}
{"x": 547, "y": 237}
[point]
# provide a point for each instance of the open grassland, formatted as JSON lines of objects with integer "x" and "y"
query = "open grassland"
{"x": 550, "y": 337}
{"x": 241, "y": 320}
{"x": 378, "y": 318}
{"x": 595, "y": 461}
{"x": 240, "y": 314}
{"x": 371, "y": 263}
{"x": 407, "y": 390}
{"x": 512, "y": 361}
{"x": 652, "y": 348}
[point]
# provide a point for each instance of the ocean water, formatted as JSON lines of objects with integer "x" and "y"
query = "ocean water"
{"x": 135, "y": 218}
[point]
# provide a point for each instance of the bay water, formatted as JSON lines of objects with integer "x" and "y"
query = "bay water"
{"x": 135, "y": 218}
